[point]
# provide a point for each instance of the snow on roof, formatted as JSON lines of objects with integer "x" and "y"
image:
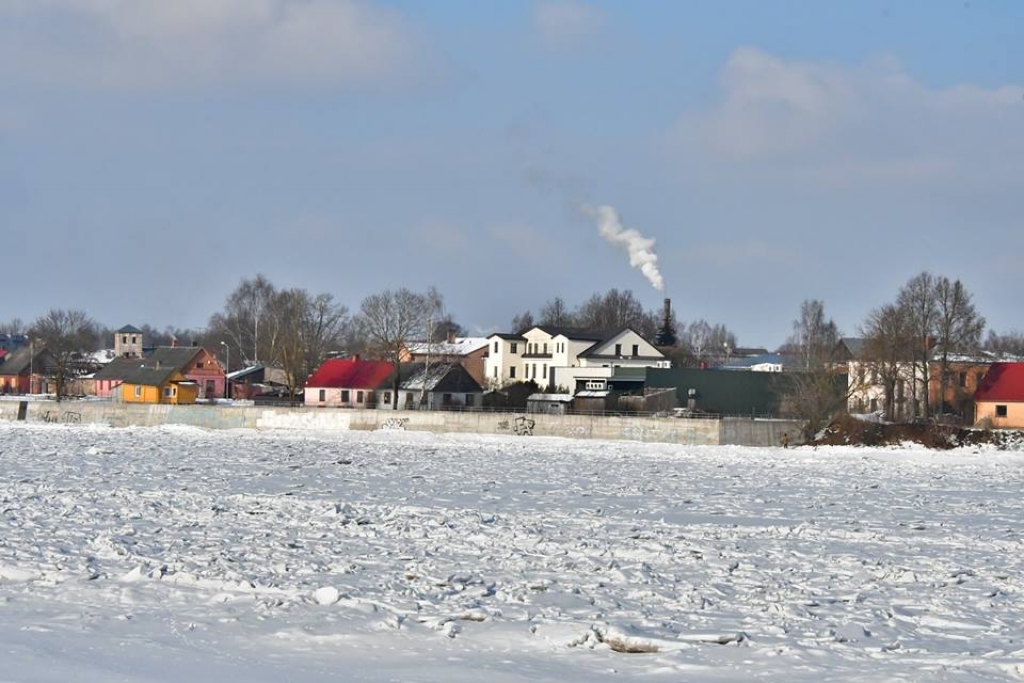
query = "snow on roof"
{"x": 462, "y": 346}
{"x": 554, "y": 398}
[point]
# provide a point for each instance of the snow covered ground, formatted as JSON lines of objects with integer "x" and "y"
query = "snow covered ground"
{"x": 175, "y": 554}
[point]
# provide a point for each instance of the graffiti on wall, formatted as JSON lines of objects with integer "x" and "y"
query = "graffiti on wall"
{"x": 520, "y": 425}
{"x": 66, "y": 417}
{"x": 394, "y": 424}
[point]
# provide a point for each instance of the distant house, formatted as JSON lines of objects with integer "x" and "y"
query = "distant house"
{"x": 999, "y": 401}
{"x": 165, "y": 385}
{"x": 26, "y": 371}
{"x": 767, "y": 362}
{"x": 196, "y": 365}
{"x": 469, "y": 352}
{"x": 349, "y": 383}
{"x": 128, "y": 342}
{"x": 441, "y": 386}
{"x": 557, "y": 357}
{"x": 258, "y": 381}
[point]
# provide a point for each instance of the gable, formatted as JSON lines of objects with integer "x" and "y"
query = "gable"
{"x": 626, "y": 339}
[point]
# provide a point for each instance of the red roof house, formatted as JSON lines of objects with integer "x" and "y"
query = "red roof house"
{"x": 347, "y": 383}
{"x": 999, "y": 400}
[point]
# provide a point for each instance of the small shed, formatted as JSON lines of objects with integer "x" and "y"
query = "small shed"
{"x": 549, "y": 404}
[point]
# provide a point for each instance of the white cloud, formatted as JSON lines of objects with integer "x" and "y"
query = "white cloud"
{"x": 152, "y": 43}
{"x": 566, "y": 24}
{"x": 872, "y": 122}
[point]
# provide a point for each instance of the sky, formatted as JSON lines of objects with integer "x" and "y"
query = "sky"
{"x": 153, "y": 154}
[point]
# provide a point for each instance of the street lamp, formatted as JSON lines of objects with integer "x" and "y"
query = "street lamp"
{"x": 227, "y": 369}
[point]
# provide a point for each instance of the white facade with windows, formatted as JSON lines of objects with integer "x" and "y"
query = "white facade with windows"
{"x": 554, "y": 358}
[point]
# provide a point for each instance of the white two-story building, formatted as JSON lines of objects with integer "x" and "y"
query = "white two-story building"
{"x": 559, "y": 358}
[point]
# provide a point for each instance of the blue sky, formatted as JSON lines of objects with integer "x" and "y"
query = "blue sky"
{"x": 152, "y": 154}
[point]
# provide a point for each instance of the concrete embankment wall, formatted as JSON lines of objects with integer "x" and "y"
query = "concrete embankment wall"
{"x": 737, "y": 431}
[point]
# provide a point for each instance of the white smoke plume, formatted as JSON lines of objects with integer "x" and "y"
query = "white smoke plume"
{"x": 640, "y": 248}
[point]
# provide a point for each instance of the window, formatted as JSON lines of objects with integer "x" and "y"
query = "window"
{"x": 544, "y": 373}
{"x": 618, "y": 349}
{"x": 133, "y": 339}
{"x": 515, "y": 347}
{"x": 124, "y": 338}
{"x": 1000, "y": 411}
{"x": 469, "y": 399}
{"x": 359, "y": 397}
{"x": 138, "y": 391}
{"x": 387, "y": 397}
{"x": 545, "y": 347}
{"x": 495, "y": 347}
{"x": 344, "y": 396}
{"x": 495, "y": 373}
{"x": 636, "y": 349}
{"x": 963, "y": 379}
{"x": 168, "y": 392}
{"x": 199, "y": 364}
{"x": 512, "y": 372}
{"x": 323, "y": 395}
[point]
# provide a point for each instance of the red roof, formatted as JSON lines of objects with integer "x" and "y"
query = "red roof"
{"x": 1003, "y": 382}
{"x": 350, "y": 373}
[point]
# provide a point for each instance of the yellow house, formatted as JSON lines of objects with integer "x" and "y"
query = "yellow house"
{"x": 156, "y": 385}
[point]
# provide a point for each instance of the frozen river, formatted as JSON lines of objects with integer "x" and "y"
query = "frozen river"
{"x": 170, "y": 554}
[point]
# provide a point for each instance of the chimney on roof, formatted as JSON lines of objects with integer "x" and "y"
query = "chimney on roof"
{"x": 355, "y": 357}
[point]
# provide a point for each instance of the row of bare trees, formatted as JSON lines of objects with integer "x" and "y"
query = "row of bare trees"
{"x": 933, "y": 319}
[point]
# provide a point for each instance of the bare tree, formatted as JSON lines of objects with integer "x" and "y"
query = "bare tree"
{"x": 814, "y": 337}
{"x": 307, "y": 327}
{"x": 697, "y": 339}
{"x": 958, "y": 328}
{"x": 68, "y": 336}
{"x": 12, "y": 327}
{"x": 246, "y": 322}
{"x": 816, "y": 392}
{"x": 556, "y": 313}
{"x": 389, "y": 320}
{"x": 611, "y": 311}
{"x": 917, "y": 299}
{"x": 890, "y": 342}
{"x": 522, "y": 322}
{"x": 1011, "y": 342}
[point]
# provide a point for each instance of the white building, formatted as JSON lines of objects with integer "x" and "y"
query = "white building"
{"x": 556, "y": 358}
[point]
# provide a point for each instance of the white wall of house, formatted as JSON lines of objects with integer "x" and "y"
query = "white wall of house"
{"x": 331, "y": 397}
{"x": 503, "y": 364}
{"x": 544, "y": 358}
{"x": 867, "y": 394}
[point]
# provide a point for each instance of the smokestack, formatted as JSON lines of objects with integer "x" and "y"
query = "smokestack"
{"x": 667, "y": 334}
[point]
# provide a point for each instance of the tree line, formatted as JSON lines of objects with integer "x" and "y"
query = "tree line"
{"x": 296, "y": 329}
